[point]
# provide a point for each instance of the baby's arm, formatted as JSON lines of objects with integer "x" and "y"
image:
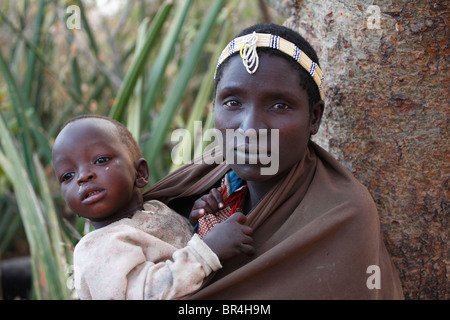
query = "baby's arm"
{"x": 126, "y": 263}
{"x": 181, "y": 275}
{"x": 228, "y": 238}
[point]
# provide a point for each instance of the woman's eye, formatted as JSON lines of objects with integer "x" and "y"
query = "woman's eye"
{"x": 232, "y": 104}
{"x": 280, "y": 106}
{"x": 102, "y": 160}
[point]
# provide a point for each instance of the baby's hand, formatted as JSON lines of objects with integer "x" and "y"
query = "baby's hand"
{"x": 209, "y": 203}
{"x": 230, "y": 237}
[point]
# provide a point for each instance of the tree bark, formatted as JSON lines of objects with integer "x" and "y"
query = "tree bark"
{"x": 386, "y": 119}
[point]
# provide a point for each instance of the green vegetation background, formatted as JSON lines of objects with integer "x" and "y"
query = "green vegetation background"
{"x": 149, "y": 65}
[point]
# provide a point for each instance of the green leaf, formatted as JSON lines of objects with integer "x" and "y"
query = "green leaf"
{"x": 171, "y": 105}
{"x": 46, "y": 278}
{"x": 135, "y": 70}
{"x": 201, "y": 101}
{"x": 164, "y": 54}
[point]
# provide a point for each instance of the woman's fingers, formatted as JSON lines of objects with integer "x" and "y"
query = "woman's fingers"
{"x": 217, "y": 196}
{"x": 195, "y": 215}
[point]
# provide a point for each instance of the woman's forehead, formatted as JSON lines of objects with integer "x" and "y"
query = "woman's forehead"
{"x": 274, "y": 72}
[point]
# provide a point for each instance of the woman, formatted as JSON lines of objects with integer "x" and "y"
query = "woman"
{"x": 315, "y": 227}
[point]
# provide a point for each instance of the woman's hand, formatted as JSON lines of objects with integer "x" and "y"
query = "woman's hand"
{"x": 209, "y": 203}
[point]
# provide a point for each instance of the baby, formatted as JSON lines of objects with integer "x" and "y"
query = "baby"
{"x": 138, "y": 250}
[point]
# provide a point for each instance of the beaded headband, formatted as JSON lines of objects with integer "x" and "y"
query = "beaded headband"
{"x": 247, "y": 45}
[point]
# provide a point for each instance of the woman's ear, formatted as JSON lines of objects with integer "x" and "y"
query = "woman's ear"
{"x": 142, "y": 172}
{"x": 316, "y": 116}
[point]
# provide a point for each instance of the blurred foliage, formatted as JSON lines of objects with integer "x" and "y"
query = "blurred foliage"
{"x": 146, "y": 63}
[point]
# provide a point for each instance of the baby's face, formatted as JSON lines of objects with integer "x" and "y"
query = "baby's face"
{"x": 95, "y": 170}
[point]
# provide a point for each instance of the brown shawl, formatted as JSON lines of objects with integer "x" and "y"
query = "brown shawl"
{"x": 316, "y": 233}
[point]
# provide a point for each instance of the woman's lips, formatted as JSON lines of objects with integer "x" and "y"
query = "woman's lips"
{"x": 251, "y": 154}
{"x": 253, "y": 148}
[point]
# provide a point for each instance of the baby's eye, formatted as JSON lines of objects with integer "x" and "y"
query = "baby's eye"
{"x": 102, "y": 160}
{"x": 280, "y": 106}
{"x": 67, "y": 176}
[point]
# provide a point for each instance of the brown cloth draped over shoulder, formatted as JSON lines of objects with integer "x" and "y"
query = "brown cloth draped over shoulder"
{"x": 316, "y": 233}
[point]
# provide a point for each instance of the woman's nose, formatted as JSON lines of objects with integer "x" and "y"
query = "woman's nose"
{"x": 252, "y": 119}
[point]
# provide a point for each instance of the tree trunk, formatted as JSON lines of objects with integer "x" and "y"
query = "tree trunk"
{"x": 386, "y": 119}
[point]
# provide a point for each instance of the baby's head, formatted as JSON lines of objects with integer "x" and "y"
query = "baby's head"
{"x": 100, "y": 168}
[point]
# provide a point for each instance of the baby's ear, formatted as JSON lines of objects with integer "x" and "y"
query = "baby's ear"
{"x": 142, "y": 173}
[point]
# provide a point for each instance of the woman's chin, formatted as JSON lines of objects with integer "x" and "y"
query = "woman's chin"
{"x": 253, "y": 172}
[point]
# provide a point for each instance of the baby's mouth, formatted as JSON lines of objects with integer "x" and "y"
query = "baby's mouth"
{"x": 92, "y": 195}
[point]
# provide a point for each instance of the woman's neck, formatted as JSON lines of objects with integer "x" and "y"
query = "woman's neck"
{"x": 257, "y": 190}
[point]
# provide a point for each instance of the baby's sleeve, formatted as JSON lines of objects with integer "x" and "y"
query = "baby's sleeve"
{"x": 126, "y": 263}
{"x": 181, "y": 275}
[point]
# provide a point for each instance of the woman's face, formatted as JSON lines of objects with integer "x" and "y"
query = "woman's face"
{"x": 271, "y": 98}
{"x": 95, "y": 170}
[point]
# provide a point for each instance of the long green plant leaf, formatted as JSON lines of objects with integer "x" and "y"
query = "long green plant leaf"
{"x": 87, "y": 28}
{"x": 53, "y": 227}
{"x": 171, "y": 105}
{"x": 31, "y": 55}
{"x": 47, "y": 283}
{"x": 20, "y": 112}
{"x": 164, "y": 54}
{"x": 201, "y": 101}
{"x": 137, "y": 65}
{"x": 47, "y": 65}
{"x": 134, "y": 109}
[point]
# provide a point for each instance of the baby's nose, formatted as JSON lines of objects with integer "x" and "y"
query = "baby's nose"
{"x": 85, "y": 176}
